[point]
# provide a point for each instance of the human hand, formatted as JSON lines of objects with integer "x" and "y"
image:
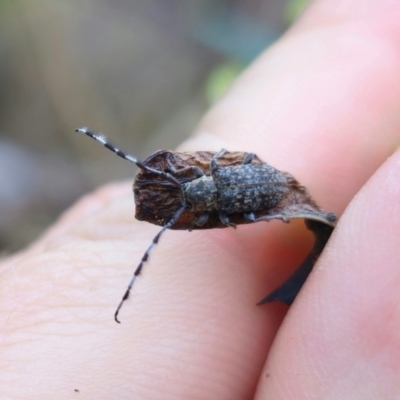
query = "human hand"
{"x": 322, "y": 104}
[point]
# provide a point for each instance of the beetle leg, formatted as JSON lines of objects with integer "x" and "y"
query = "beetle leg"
{"x": 196, "y": 170}
{"x": 199, "y": 221}
{"x": 225, "y": 220}
{"x": 249, "y": 158}
{"x": 249, "y": 216}
{"x": 214, "y": 163}
{"x": 202, "y": 219}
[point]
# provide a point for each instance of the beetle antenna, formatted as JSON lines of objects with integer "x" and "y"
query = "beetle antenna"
{"x": 103, "y": 140}
{"x": 146, "y": 256}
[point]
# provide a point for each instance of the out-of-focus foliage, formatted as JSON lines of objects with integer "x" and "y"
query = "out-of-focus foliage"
{"x": 220, "y": 80}
{"x": 294, "y": 8}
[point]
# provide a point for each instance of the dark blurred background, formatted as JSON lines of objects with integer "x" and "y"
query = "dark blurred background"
{"x": 143, "y": 72}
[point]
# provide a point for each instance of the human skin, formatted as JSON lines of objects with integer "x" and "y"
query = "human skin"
{"x": 322, "y": 104}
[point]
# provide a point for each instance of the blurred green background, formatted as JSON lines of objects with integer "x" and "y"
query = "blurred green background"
{"x": 143, "y": 72}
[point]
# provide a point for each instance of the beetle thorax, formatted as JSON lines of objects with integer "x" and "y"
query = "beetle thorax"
{"x": 201, "y": 194}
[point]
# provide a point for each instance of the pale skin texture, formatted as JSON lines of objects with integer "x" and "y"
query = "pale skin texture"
{"x": 323, "y": 104}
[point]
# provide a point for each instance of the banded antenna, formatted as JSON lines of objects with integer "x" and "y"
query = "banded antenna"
{"x": 102, "y": 139}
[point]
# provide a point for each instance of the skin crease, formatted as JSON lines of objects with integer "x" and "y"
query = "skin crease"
{"x": 323, "y": 104}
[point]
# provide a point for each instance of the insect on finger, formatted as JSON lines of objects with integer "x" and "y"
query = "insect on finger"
{"x": 208, "y": 190}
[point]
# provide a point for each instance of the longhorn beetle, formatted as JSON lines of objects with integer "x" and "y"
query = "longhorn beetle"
{"x": 206, "y": 190}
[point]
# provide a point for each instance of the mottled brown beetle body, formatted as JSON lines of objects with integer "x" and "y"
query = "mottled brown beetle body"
{"x": 227, "y": 190}
{"x": 157, "y": 199}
